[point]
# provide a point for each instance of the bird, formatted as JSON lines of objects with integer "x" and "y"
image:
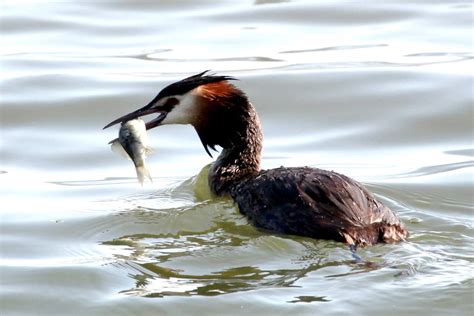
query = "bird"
{"x": 301, "y": 201}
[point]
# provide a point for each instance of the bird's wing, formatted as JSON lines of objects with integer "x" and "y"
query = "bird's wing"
{"x": 311, "y": 202}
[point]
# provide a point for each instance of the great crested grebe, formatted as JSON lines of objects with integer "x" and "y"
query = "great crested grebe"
{"x": 299, "y": 201}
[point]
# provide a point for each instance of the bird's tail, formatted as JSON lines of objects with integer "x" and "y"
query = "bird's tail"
{"x": 375, "y": 233}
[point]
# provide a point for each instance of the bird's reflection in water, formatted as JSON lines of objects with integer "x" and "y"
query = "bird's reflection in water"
{"x": 155, "y": 262}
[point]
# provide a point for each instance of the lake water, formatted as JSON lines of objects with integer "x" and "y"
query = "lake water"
{"x": 380, "y": 91}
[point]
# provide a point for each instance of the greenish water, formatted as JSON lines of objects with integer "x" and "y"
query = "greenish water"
{"x": 380, "y": 91}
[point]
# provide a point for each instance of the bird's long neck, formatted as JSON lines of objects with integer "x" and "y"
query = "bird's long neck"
{"x": 241, "y": 158}
{"x": 227, "y": 119}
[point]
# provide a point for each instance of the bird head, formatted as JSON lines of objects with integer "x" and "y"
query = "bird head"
{"x": 210, "y": 103}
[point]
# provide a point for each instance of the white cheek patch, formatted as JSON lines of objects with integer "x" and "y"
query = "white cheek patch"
{"x": 184, "y": 112}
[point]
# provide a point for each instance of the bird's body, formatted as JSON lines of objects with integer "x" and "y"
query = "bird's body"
{"x": 300, "y": 201}
{"x": 316, "y": 203}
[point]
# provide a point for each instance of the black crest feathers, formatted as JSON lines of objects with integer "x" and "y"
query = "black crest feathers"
{"x": 188, "y": 84}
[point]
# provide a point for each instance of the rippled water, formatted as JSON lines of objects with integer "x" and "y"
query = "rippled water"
{"x": 380, "y": 91}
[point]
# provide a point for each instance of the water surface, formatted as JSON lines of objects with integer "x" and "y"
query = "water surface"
{"x": 379, "y": 91}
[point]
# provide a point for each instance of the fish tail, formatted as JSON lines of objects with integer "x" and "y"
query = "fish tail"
{"x": 142, "y": 173}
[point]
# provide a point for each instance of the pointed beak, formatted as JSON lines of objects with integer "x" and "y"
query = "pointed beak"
{"x": 139, "y": 113}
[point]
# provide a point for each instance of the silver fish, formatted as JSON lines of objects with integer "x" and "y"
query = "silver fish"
{"x": 133, "y": 143}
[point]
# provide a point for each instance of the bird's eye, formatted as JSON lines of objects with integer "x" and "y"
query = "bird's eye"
{"x": 170, "y": 103}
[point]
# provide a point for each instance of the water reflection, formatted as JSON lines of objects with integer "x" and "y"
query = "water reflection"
{"x": 149, "y": 258}
{"x": 196, "y": 261}
{"x": 309, "y": 299}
